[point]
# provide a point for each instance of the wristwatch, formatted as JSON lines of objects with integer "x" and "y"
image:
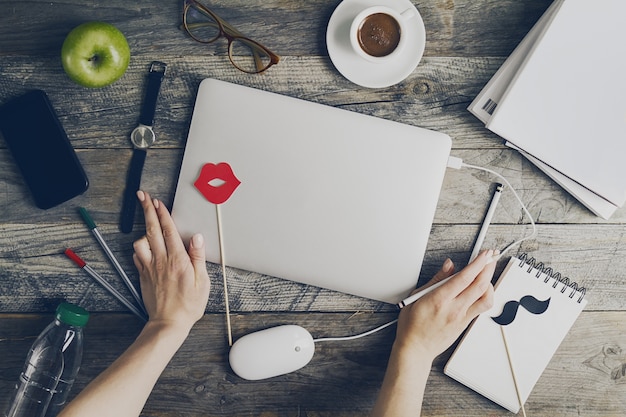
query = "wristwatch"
{"x": 142, "y": 137}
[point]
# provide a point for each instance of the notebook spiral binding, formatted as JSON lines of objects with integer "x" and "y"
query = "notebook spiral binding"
{"x": 541, "y": 269}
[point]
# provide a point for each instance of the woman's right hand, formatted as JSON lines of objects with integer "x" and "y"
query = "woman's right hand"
{"x": 431, "y": 324}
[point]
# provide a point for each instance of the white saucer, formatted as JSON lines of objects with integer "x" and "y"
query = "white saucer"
{"x": 359, "y": 70}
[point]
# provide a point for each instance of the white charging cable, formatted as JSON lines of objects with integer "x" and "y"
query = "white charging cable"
{"x": 356, "y": 336}
{"x": 457, "y": 163}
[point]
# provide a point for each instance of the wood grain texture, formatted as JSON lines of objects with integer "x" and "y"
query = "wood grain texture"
{"x": 463, "y": 199}
{"x": 291, "y": 28}
{"x": 434, "y": 96}
{"x": 467, "y": 41}
{"x": 36, "y": 274}
{"x": 585, "y": 376}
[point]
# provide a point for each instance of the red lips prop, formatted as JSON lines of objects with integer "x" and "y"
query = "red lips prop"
{"x": 223, "y": 176}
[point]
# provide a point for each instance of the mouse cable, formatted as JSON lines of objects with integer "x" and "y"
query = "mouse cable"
{"x": 457, "y": 163}
{"x": 356, "y": 336}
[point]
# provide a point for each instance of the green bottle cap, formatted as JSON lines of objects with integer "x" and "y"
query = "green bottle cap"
{"x": 72, "y": 314}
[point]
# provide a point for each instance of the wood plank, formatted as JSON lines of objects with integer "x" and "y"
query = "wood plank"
{"x": 463, "y": 200}
{"x": 36, "y": 275}
{"x": 466, "y": 43}
{"x": 585, "y": 377}
{"x": 434, "y": 96}
{"x": 462, "y": 27}
{"x": 104, "y": 121}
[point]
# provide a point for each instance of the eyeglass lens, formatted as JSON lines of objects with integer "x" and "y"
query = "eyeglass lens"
{"x": 244, "y": 53}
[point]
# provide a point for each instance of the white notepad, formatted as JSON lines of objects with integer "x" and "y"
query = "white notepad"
{"x": 328, "y": 197}
{"x": 480, "y": 361}
{"x": 565, "y": 104}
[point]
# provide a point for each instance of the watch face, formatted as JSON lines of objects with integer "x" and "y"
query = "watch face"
{"x": 142, "y": 137}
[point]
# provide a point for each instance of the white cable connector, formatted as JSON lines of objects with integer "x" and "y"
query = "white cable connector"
{"x": 454, "y": 162}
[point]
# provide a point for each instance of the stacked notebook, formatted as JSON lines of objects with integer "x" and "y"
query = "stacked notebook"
{"x": 559, "y": 100}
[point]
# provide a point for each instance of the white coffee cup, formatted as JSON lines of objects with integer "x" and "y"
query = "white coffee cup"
{"x": 379, "y": 33}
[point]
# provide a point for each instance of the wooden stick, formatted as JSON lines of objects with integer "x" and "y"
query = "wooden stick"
{"x": 508, "y": 355}
{"x": 223, "y": 263}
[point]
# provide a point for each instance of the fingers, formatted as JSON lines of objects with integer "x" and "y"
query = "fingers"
{"x": 162, "y": 237}
{"x": 161, "y": 233}
{"x": 478, "y": 296}
{"x": 143, "y": 254}
{"x": 447, "y": 269}
{"x": 484, "y": 303}
{"x": 169, "y": 233}
{"x": 464, "y": 278}
{"x": 154, "y": 234}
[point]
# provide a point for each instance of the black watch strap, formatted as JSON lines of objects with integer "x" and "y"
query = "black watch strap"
{"x": 130, "y": 193}
{"x": 155, "y": 76}
{"x": 146, "y": 118}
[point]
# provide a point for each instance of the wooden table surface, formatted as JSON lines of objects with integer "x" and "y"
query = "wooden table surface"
{"x": 466, "y": 43}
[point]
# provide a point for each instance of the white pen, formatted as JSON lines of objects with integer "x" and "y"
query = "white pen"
{"x": 486, "y": 222}
{"x": 413, "y": 298}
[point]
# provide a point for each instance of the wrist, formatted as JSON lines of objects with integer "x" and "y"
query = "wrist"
{"x": 413, "y": 355}
{"x": 404, "y": 383}
{"x": 169, "y": 331}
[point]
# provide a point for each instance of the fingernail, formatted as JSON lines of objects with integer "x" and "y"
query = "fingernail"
{"x": 447, "y": 265}
{"x": 197, "y": 240}
{"x": 156, "y": 203}
{"x": 141, "y": 196}
{"x": 489, "y": 253}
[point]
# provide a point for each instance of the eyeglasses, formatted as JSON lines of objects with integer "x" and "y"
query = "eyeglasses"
{"x": 245, "y": 54}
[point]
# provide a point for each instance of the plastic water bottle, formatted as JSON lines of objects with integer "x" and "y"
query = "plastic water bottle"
{"x": 51, "y": 365}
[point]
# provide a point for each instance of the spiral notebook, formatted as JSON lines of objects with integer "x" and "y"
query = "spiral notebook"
{"x": 536, "y": 306}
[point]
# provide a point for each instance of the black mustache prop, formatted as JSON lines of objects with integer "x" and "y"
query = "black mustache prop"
{"x": 529, "y": 302}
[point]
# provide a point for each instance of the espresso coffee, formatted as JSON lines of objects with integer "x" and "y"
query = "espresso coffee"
{"x": 379, "y": 34}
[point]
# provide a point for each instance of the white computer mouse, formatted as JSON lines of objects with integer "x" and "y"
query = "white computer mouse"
{"x": 271, "y": 352}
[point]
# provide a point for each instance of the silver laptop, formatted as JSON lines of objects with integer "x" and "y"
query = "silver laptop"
{"x": 309, "y": 192}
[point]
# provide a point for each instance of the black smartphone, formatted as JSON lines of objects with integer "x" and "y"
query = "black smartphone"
{"x": 42, "y": 149}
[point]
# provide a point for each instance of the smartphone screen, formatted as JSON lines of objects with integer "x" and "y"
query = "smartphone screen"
{"x": 42, "y": 149}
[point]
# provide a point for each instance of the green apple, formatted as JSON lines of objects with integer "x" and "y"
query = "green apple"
{"x": 95, "y": 54}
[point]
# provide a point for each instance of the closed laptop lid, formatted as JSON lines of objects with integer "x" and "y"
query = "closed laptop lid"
{"x": 308, "y": 192}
